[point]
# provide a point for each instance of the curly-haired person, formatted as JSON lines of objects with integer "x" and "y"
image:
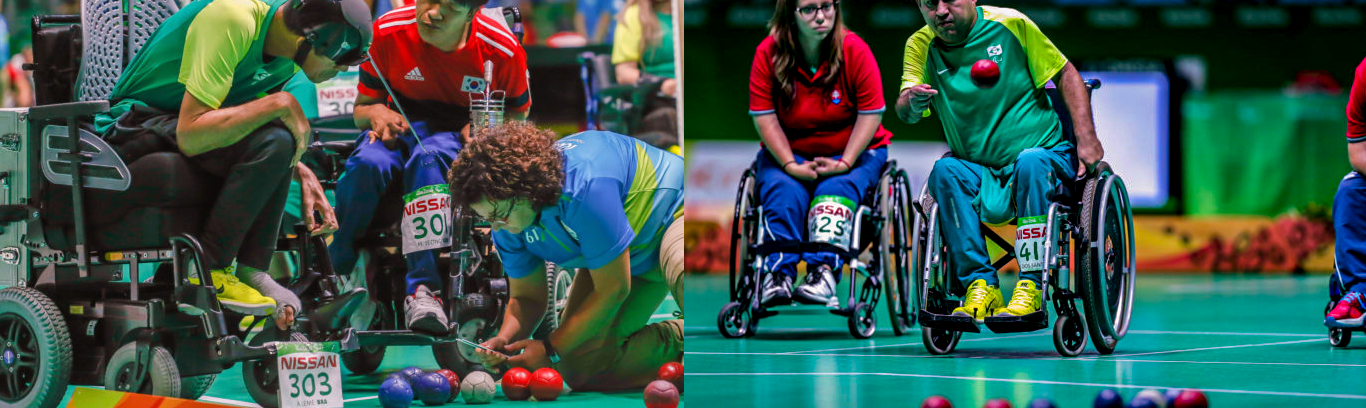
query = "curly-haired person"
{"x": 599, "y": 201}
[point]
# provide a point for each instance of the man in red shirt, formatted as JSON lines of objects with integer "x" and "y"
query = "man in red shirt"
{"x": 1348, "y": 225}
{"x": 427, "y": 60}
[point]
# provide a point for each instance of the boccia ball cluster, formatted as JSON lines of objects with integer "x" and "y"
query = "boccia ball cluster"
{"x": 665, "y": 390}
{"x": 439, "y": 387}
{"x": 1107, "y": 398}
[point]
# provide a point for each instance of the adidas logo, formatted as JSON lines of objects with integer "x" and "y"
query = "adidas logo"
{"x": 414, "y": 75}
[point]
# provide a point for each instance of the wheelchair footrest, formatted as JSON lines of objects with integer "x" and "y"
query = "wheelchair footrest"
{"x": 1018, "y": 324}
{"x": 949, "y": 322}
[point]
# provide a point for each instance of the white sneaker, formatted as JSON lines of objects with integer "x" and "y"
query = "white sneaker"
{"x": 424, "y": 312}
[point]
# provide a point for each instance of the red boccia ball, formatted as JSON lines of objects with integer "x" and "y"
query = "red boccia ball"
{"x": 672, "y": 372}
{"x": 517, "y": 384}
{"x": 936, "y": 401}
{"x": 661, "y": 394}
{"x": 546, "y": 384}
{"x": 985, "y": 73}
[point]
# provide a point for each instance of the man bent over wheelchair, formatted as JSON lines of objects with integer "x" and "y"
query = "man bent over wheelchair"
{"x": 1009, "y": 155}
{"x": 195, "y": 87}
{"x": 431, "y": 57}
{"x": 594, "y": 200}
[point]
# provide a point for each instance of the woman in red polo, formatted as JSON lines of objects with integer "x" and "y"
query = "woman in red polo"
{"x": 815, "y": 93}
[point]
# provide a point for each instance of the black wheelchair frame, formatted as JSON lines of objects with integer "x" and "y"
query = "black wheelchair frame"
{"x": 1105, "y": 265}
{"x": 880, "y": 230}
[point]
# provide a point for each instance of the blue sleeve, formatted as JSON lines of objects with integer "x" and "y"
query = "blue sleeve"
{"x": 518, "y": 262}
{"x": 600, "y": 221}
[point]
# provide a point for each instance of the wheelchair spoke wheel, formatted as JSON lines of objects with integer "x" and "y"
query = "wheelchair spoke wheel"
{"x": 896, "y": 255}
{"x": 1106, "y": 262}
{"x": 35, "y": 362}
{"x": 1069, "y": 335}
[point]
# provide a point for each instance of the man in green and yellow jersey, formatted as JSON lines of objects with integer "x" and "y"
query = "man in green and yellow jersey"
{"x": 1009, "y": 155}
{"x": 206, "y": 85}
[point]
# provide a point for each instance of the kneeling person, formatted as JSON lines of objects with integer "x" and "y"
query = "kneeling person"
{"x": 598, "y": 201}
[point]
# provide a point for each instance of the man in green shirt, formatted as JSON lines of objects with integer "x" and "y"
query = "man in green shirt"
{"x": 207, "y": 85}
{"x": 1000, "y": 132}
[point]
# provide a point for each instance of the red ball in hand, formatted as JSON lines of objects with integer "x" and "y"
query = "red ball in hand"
{"x": 517, "y": 384}
{"x": 546, "y": 384}
{"x": 672, "y": 372}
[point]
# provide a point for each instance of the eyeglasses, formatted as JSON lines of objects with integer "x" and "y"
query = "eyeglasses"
{"x": 810, "y": 11}
{"x": 352, "y": 58}
{"x": 500, "y": 217}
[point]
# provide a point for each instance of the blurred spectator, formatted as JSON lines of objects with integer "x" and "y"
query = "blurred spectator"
{"x": 19, "y": 93}
{"x": 593, "y": 19}
{"x": 643, "y": 45}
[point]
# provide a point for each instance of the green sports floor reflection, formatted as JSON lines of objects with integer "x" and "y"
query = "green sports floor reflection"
{"x": 1246, "y": 340}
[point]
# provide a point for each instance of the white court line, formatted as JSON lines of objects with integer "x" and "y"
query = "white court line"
{"x": 1228, "y": 333}
{"x": 661, "y": 315}
{"x": 1114, "y": 360}
{"x": 228, "y": 401}
{"x": 361, "y": 399}
{"x": 1203, "y": 349}
{"x": 917, "y": 343}
{"x": 1015, "y": 380}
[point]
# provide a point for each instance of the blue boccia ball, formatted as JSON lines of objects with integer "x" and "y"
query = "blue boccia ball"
{"x": 1109, "y": 398}
{"x": 1171, "y": 395}
{"x": 432, "y": 388}
{"x": 411, "y": 372}
{"x": 395, "y": 393}
{"x": 1041, "y": 403}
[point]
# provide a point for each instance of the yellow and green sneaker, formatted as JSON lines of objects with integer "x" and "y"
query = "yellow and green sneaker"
{"x": 982, "y": 300}
{"x": 237, "y": 296}
{"x": 1026, "y": 299}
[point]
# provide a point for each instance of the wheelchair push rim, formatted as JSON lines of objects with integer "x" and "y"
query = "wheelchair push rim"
{"x": 1107, "y": 263}
{"x": 896, "y": 253}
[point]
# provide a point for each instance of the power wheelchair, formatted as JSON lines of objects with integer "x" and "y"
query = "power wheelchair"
{"x": 878, "y": 260}
{"x": 83, "y": 229}
{"x": 1095, "y": 213}
{"x": 475, "y": 291}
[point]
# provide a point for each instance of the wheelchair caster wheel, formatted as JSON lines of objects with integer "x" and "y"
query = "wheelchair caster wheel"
{"x": 261, "y": 377}
{"x": 1069, "y": 335}
{"x": 939, "y": 341}
{"x": 862, "y": 322}
{"x": 1339, "y": 337}
{"x": 736, "y": 321}
{"x": 162, "y": 377}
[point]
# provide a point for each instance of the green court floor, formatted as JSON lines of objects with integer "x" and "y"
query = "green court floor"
{"x": 361, "y": 390}
{"x": 1246, "y": 340}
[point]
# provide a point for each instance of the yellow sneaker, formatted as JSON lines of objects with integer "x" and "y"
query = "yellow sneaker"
{"x": 237, "y": 296}
{"x": 1026, "y": 299}
{"x": 982, "y": 300}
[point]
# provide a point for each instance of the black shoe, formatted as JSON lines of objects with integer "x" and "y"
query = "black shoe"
{"x": 819, "y": 288}
{"x": 777, "y": 289}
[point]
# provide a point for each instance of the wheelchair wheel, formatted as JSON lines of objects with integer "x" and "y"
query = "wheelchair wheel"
{"x": 926, "y": 252}
{"x": 939, "y": 341}
{"x": 1338, "y": 337}
{"x": 895, "y": 249}
{"x": 1106, "y": 263}
{"x": 191, "y": 388}
{"x": 261, "y": 377}
{"x": 476, "y": 324}
{"x": 862, "y": 321}
{"x": 736, "y": 320}
{"x": 37, "y": 347}
{"x": 162, "y": 378}
{"x": 370, "y": 316}
{"x": 1069, "y": 335}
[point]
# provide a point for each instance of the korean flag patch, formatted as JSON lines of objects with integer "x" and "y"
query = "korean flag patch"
{"x": 472, "y": 84}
